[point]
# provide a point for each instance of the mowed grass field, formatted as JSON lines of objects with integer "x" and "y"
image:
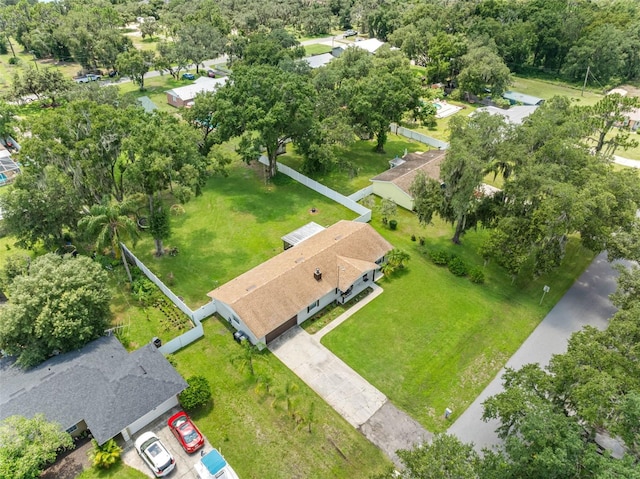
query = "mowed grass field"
{"x": 235, "y": 225}
{"x": 546, "y": 89}
{"x": 358, "y": 163}
{"x": 433, "y": 340}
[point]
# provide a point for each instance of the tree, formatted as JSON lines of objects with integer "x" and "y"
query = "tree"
{"x": 136, "y": 64}
{"x": 47, "y": 83}
{"x": 159, "y": 226}
{"x": 427, "y": 197}
{"x": 172, "y": 57}
{"x": 7, "y": 116}
{"x": 41, "y": 207}
{"x": 110, "y": 223}
{"x": 28, "y": 445}
{"x": 149, "y": 27}
{"x": 443, "y": 458}
{"x": 267, "y": 106}
{"x": 483, "y": 69}
{"x": 602, "y": 117}
{"x": 381, "y": 97}
{"x": 59, "y": 306}
{"x": 197, "y": 394}
{"x": 388, "y": 210}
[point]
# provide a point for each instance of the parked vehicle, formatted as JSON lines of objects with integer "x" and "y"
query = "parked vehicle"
{"x": 213, "y": 466}
{"x": 113, "y": 73}
{"x": 350, "y": 33}
{"x": 153, "y": 452}
{"x": 93, "y": 77}
{"x": 211, "y": 73}
{"x": 185, "y": 432}
{"x": 84, "y": 79}
{"x": 188, "y": 76}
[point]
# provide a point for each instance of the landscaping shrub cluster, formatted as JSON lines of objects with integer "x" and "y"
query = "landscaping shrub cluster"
{"x": 197, "y": 394}
{"x": 456, "y": 265}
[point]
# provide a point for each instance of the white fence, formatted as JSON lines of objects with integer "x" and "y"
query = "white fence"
{"x": 363, "y": 193}
{"x": 365, "y": 213}
{"x": 183, "y": 340}
{"x": 204, "y": 311}
{"x": 414, "y": 135}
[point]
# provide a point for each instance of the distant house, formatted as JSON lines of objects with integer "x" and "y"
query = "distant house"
{"x": 632, "y": 119}
{"x": 317, "y": 61}
{"x": 184, "y": 95}
{"x": 514, "y": 115}
{"x": 9, "y": 169}
{"x": 331, "y": 265}
{"x": 516, "y": 98}
{"x": 394, "y": 183}
{"x": 101, "y": 388}
{"x": 371, "y": 45}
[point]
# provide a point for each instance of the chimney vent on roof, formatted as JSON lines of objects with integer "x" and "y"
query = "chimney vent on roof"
{"x": 317, "y": 274}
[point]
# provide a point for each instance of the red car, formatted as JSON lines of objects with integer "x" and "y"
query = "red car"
{"x": 185, "y": 432}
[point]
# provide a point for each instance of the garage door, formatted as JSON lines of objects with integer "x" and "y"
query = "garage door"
{"x": 281, "y": 329}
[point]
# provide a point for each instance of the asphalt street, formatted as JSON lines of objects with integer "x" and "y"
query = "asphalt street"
{"x": 585, "y": 303}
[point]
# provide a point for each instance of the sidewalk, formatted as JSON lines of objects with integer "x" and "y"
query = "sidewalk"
{"x": 585, "y": 303}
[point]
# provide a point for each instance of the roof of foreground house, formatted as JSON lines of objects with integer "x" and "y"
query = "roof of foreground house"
{"x": 201, "y": 85}
{"x": 402, "y": 175}
{"x": 102, "y": 384}
{"x": 281, "y": 287}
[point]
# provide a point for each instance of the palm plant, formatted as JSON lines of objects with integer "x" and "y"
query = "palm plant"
{"x": 108, "y": 224}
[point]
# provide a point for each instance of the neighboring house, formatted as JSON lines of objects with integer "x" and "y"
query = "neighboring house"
{"x": 147, "y": 104}
{"x": 332, "y": 265}
{"x": 317, "y": 61}
{"x": 371, "y": 45}
{"x": 394, "y": 184}
{"x": 632, "y": 119}
{"x": 184, "y": 95}
{"x": 520, "y": 98}
{"x": 514, "y": 115}
{"x": 101, "y": 388}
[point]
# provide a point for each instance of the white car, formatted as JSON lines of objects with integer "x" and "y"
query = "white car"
{"x": 153, "y": 452}
{"x": 213, "y": 466}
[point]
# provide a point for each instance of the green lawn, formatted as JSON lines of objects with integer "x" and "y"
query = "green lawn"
{"x": 253, "y": 428}
{"x": 433, "y": 340}
{"x": 365, "y": 163}
{"x": 235, "y": 225}
{"x": 317, "y": 49}
{"x": 7, "y": 70}
{"x": 120, "y": 471}
{"x": 155, "y": 88}
{"x": 546, "y": 89}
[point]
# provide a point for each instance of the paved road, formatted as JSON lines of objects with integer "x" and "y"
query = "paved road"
{"x": 626, "y": 161}
{"x": 586, "y": 303}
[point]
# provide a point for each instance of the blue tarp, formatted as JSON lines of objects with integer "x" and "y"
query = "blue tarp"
{"x": 214, "y": 462}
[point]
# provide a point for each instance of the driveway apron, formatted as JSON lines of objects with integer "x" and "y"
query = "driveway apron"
{"x": 357, "y": 401}
{"x": 585, "y": 303}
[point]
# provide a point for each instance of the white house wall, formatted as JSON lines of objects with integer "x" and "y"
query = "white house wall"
{"x": 235, "y": 320}
{"x": 150, "y": 416}
{"x": 390, "y": 191}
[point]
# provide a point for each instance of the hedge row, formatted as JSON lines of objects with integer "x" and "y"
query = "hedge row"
{"x": 457, "y": 266}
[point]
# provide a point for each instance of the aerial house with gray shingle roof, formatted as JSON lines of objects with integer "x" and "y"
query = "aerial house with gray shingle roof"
{"x": 331, "y": 265}
{"x": 101, "y": 387}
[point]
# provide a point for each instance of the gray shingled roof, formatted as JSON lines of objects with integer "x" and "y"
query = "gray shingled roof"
{"x": 101, "y": 384}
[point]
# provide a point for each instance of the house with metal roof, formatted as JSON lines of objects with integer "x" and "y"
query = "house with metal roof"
{"x": 516, "y": 98}
{"x": 333, "y": 264}
{"x": 394, "y": 184}
{"x": 317, "y": 61}
{"x": 101, "y": 388}
{"x": 514, "y": 115}
{"x": 183, "y": 96}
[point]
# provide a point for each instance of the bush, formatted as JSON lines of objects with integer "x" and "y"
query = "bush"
{"x": 14, "y": 61}
{"x": 393, "y": 224}
{"x": 413, "y": 237}
{"x": 105, "y": 456}
{"x": 439, "y": 257}
{"x": 421, "y": 240}
{"x": 197, "y": 394}
{"x": 476, "y": 275}
{"x": 457, "y": 266}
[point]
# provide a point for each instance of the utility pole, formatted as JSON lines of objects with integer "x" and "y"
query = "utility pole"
{"x": 585, "y": 81}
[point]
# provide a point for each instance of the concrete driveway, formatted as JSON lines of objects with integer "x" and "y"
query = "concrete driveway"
{"x": 585, "y": 303}
{"x": 361, "y": 404}
{"x": 184, "y": 462}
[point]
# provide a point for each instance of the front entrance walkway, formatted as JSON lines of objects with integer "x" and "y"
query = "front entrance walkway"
{"x": 361, "y": 404}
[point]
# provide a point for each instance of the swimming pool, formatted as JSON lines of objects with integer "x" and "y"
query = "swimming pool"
{"x": 437, "y": 105}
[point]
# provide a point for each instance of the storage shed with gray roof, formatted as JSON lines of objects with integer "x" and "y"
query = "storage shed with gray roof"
{"x": 100, "y": 387}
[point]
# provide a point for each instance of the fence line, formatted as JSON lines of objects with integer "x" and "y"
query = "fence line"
{"x": 183, "y": 340}
{"x": 365, "y": 213}
{"x": 204, "y": 311}
{"x": 414, "y": 135}
{"x": 363, "y": 193}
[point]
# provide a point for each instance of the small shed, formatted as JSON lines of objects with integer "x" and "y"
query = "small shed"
{"x": 301, "y": 234}
{"x": 515, "y": 98}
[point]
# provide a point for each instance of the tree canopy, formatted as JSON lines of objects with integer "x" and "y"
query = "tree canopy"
{"x": 59, "y": 305}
